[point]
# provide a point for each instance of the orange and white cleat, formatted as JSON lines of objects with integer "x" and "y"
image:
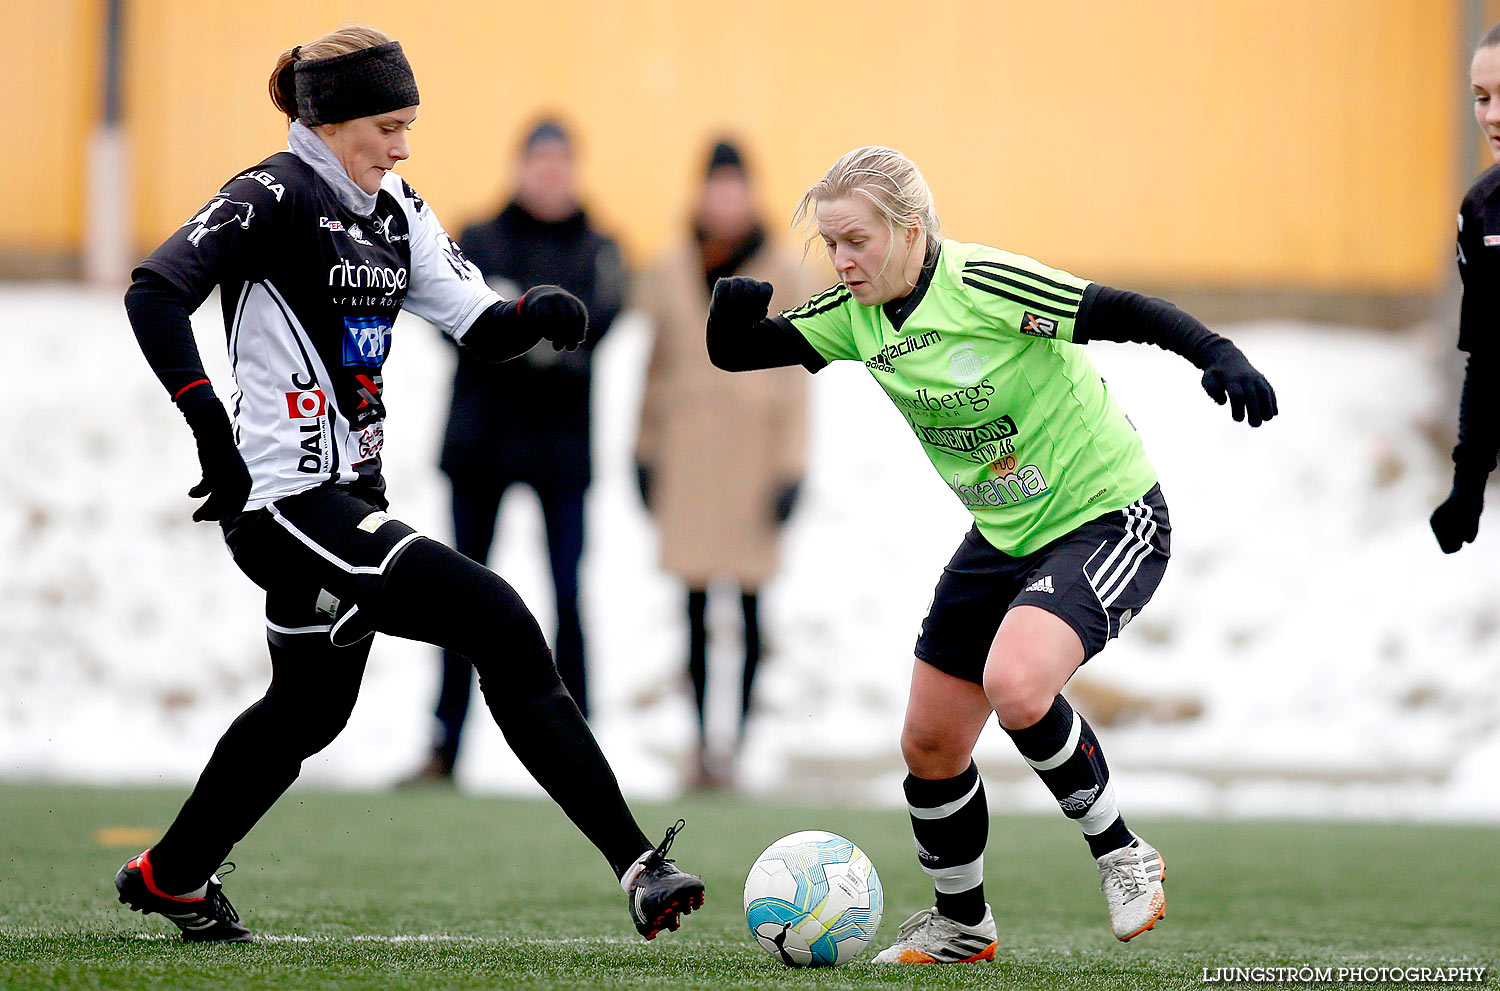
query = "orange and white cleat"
{"x": 929, "y": 937}
{"x": 1131, "y": 878}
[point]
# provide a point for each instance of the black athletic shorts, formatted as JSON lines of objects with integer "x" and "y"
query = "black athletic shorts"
{"x": 1095, "y": 579}
{"x": 320, "y": 555}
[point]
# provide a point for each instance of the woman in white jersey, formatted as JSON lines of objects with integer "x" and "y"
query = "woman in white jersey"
{"x": 314, "y": 251}
{"x": 978, "y": 348}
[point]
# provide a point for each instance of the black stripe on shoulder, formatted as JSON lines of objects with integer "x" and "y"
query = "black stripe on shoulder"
{"x": 1028, "y": 290}
{"x": 1028, "y": 303}
{"x": 1023, "y": 272}
{"x": 830, "y": 299}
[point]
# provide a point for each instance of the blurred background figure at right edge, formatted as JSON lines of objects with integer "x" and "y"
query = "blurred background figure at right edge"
{"x": 527, "y": 420}
{"x": 719, "y": 457}
{"x": 1456, "y": 521}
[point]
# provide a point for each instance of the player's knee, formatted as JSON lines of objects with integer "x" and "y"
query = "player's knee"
{"x": 1018, "y": 692}
{"x": 932, "y": 753}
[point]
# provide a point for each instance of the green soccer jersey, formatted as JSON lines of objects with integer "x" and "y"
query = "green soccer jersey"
{"x": 1011, "y": 413}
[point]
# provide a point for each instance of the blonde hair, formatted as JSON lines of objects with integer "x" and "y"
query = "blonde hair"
{"x": 887, "y": 179}
{"x": 349, "y": 38}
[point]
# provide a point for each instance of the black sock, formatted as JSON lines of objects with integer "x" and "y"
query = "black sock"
{"x": 951, "y": 822}
{"x": 1063, "y": 751}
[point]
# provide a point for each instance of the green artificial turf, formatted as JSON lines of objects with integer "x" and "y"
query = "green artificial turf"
{"x": 433, "y": 889}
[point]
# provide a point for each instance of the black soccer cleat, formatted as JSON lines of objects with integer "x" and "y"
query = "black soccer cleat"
{"x": 210, "y": 919}
{"x": 659, "y": 893}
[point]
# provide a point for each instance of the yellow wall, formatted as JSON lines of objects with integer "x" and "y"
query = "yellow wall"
{"x": 50, "y": 50}
{"x": 1238, "y": 143}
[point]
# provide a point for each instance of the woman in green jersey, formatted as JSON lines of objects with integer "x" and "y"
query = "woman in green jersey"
{"x": 978, "y": 348}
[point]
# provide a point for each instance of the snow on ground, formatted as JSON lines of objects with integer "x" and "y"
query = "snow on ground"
{"x": 1340, "y": 665}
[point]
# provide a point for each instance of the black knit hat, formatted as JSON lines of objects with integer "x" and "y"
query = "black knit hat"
{"x": 547, "y": 130}
{"x": 361, "y": 83}
{"x": 726, "y": 156}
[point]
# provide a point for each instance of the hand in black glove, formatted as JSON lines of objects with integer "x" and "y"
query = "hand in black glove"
{"x": 226, "y": 480}
{"x": 1456, "y": 521}
{"x": 643, "y": 479}
{"x": 786, "y": 500}
{"x": 555, "y": 314}
{"x": 1229, "y": 376}
{"x": 739, "y": 302}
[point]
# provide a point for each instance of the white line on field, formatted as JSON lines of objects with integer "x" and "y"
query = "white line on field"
{"x": 420, "y": 938}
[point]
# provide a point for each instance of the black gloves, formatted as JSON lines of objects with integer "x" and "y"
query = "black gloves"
{"x": 643, "y": 480}
{"x": 1456, "y": 521}
{"x": 226, "y": 480}
{"x": 738, "y": 303}
{"x": 786, "y": 499}
{"x": 554, "y": 314}
{"x": 1230, "y": 376}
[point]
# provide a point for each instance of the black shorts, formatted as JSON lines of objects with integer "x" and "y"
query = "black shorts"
{"x": 319, "y": 555}
{"x": 1095, "y": 579}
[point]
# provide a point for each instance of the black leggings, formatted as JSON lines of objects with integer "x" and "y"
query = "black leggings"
{"x": 433, "y": 594}
{"x": 697, "y": 607}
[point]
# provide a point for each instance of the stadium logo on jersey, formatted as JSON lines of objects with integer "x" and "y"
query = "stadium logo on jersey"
{"x": 965, "y": 366}
{"x": 220, "y": 212}
{"x": 367, "y": 340}
{"x": 306, "y": 405}
{"x": 1038, "y": 326}
{"x": 884, "y": 359}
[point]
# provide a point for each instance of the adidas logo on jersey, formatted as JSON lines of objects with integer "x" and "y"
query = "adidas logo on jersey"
{"x": 1041, "y": 585}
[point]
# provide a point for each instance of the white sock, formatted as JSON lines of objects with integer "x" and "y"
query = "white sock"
{"x": 199, "y": 892}
{"x": 634, "y": 869}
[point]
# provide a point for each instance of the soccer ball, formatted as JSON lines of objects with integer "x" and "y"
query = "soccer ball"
{"x": 813, "y": 899}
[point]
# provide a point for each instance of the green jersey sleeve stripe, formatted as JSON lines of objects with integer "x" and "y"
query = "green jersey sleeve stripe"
{"x": 1028, "y": 290}
{"x": 1029, "y": 304}
{"x": 1021, "y": 271}
{"x": 813, "y": 307}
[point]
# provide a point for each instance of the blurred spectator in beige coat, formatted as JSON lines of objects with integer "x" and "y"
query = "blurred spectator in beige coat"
{"x": 719, "y": 457}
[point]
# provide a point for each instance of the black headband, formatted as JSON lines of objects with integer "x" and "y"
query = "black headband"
{"x": 360, "y": 84}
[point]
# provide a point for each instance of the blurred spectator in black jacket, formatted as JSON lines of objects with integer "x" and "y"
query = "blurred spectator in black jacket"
{"x": 527, "y": 420}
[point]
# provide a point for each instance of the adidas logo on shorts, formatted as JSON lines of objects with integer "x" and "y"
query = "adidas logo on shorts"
{"x": 1041, "y": 585}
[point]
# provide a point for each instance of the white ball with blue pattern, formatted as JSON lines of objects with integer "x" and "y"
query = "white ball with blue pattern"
{"x": 813, "y": 899}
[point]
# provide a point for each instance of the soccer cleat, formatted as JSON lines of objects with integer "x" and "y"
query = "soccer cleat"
{"x": 1132, "y": 879}
{"x": 658, "y": 892}
{"x": 210, "y": 919}
{"x": 929, "y": 937}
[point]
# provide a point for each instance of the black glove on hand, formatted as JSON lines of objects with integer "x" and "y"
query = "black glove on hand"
{"x": 738, "y": 303}
{"x": 786, "y": 500}
{"x": 1230, "y": 376}
{"x": 643, "y": 480}
{"x": 1456, "y": 521}
{"x": 226, "y": 480}
{"x": 556, "y": 315}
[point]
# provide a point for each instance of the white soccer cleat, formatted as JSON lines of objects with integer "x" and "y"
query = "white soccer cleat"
{"x": 1132, "y": 879}
{"x": 928, "y": 937}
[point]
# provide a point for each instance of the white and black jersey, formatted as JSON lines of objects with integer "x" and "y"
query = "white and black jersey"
{"x": 1478, "y": 251}
{"x": 310, "y": 291}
